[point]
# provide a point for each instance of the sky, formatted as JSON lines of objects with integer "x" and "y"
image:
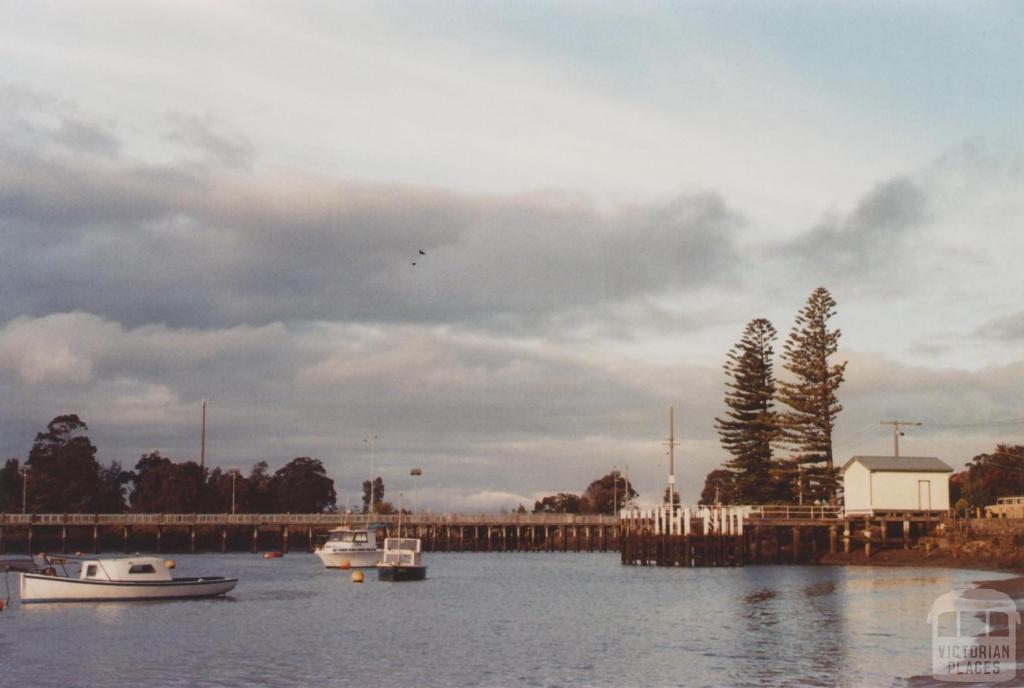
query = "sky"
{"x": 229, "y": 201}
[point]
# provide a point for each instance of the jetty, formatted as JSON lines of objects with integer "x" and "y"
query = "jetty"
{"x": 738, "y": 535}
{"x": 443, "y": 532}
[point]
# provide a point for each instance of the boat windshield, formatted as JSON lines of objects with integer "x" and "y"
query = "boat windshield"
{"x": 347, "y": 536}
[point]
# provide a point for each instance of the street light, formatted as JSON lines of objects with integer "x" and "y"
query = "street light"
{"x": 414, "y": 472}
{"x": 24, "y": 487}
{"x": 234, "y": 471}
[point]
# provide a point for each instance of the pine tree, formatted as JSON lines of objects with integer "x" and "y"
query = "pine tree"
{"x": 811, "y": 395}
{"x": 751, "y": 424}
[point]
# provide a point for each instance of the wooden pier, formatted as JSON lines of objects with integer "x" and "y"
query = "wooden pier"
{"x": 446, "y": 532}
{"x": 738, "y": 535}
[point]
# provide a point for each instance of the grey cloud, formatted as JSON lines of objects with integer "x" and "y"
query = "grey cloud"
{"x": 42, "y": 122}
{"x": 203, "y": 134}
{"x": 189, "y": 246}
{"x": 1009, "y": 328}
{"x": 866, "y": 242}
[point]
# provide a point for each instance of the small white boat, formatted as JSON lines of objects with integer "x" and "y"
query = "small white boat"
{"x": 122, "y": 578}
{"x": 359, "y": 547}
{"x": 401, "y": 561}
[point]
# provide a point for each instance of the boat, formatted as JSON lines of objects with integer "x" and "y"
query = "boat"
{"x": 120, "y": 578}
{"x": 401, "y": 560}
{"x": 359, "y": 547}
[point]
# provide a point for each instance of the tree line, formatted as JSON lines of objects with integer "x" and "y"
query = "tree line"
{"x": 64, "y": 476}
{"x": 754, "y": 427}
{"x": 606, "y": 495}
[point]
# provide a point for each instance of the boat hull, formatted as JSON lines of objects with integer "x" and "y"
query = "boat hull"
{"x": 399, "y": 574}
{"x": 356, "y": 559}
{"x": 39, "y": 588}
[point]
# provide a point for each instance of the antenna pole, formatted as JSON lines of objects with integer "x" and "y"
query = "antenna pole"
{"x": 896, "y": 424}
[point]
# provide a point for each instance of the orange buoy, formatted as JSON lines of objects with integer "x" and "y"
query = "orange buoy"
{"x": 357, "y": 576}
{"x": 345, "y": 565}
{"x": 272, "y": 555}
{"x": 1, "y": 604}
{"x": 171, "y": 564}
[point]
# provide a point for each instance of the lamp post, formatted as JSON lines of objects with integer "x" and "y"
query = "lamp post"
{"x": 24, "y": 487}
{"x": 234, "y": 471}
{"x": 415, "y": 472}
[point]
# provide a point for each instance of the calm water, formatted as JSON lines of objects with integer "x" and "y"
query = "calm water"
{"x": 492, "y": 620}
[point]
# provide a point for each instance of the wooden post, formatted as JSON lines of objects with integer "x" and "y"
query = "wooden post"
{"x": 255, "y": 538}
{"x": 885, "y": 532}
{"x": 159, "y": 536}
{"x": 126, "y": 533}
{"x": 846, "y": 537}
{"x": 906, "y": 534}
{"x": 833, "y": 536}
{"x": 64, "y": 539}
{"x": 284, "y": 539}
{"x": 95, "y": 539}
{"x": 224, "y": 540}
{"x": 30, "y": 538}
{"x": 192, "y": 539}
{"x": 309, "y": 539}
{"x": 796, "y": 544}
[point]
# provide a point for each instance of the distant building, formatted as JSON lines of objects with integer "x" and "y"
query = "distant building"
{"x": 895, "y": 483}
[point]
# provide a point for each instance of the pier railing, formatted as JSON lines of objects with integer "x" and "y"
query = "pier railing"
{"x": 324, "y": 519}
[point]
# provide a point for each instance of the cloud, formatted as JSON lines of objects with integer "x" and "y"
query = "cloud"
{"x": 869, "y": 239}
{"x": 204, "y": 135}
{"x": 191, "y": 245}
{"x": 1008, "y": 328}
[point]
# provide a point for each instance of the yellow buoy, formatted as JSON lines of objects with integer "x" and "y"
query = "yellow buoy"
{"x": 171, "y": 564}
{"x": 357, "y": 576}
{"x": 345, "y": 565}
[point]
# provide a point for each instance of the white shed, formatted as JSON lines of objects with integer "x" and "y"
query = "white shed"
{"x": 895, "y": 483}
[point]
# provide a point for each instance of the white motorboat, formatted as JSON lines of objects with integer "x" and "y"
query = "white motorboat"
{"x": 359, "y": 547}
{"x": 122, "y": 578}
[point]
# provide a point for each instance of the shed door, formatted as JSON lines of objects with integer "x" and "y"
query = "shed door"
{"x": 924, "y": 495}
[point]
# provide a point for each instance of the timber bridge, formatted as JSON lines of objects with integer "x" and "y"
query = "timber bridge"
{"x": 701, "y": 536}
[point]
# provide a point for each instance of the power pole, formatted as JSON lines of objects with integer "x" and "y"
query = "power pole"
{"x": 896, "y": 425}
{"x": 202, "y": 440}
{"x": 671, "y": 458}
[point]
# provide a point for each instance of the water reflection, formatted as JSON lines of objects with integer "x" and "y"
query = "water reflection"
{"x": 496, "y": 620}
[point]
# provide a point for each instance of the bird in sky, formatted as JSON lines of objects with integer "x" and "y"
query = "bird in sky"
{"x": 422, "y": 252}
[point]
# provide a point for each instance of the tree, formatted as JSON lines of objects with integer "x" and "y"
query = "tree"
{"x": 561, "y": 503}
{"x": 751, "y": 424}
{"x": 991, "y": 476}
{"x": 163, "y": 486}
{"x": 258, "y": 499}
{"x": 113, "y": 484}
{"x": 302, "y": 487}
{"x": 376, "y": 491}
{"x": 10, "y": 487}
{"x": 607, "y": 494}
{"x": 65, "y": 476}
{"x": 719, "y": 487}
{"x": 811, "y": 394}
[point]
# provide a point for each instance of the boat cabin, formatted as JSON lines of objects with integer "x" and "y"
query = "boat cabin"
{"x": 354, "y": 537}
{"x": 401, "y": 552}
{"x": 140, "y": 569}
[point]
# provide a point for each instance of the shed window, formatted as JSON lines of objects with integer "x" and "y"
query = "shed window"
{"x": 90, "y": 570}
{"x": 142, "y": 568}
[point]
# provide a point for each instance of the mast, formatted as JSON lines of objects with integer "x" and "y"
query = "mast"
{"x": 671, "y": 458}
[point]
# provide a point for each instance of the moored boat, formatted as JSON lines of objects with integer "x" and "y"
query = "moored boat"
{"x": 401, "y": 560}
{"x": 360, "y": 547}
{"x": 110, "y": 579}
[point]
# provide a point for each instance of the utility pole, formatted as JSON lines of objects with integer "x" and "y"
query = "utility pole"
{"x": 671, "y": 458}
{"x": 800, "y": 483}
{"x": 896, "y": 425}
{"x": 615, "y": 490}
{"x": 373, "y": 487}
{"x": 24, "y": 487}
{"x": 202, "y": 440}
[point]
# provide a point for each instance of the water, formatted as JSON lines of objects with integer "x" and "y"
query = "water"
{"x": 492, "y": 620}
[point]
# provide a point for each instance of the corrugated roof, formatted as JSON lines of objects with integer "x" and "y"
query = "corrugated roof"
{"x": 912, "y": 464}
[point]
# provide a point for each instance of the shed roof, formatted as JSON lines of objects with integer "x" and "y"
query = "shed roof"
{"x": 900, "y": 464}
